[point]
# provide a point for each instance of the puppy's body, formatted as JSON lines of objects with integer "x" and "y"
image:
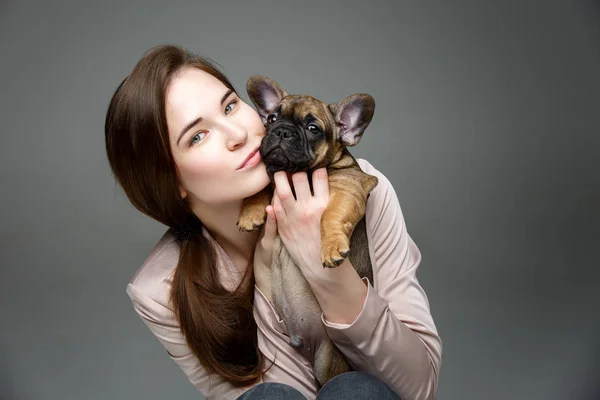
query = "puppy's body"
{"x": 298, "y": 307}
{"x": 304, "y": 134}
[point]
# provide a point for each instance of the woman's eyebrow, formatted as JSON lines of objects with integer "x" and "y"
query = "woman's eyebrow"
{"x": 197, "y": 120}
{"x": 226, "y": 95}
{"x": 188, "y": 127}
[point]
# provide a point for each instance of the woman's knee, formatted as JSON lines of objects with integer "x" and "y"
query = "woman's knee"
{"x": 356, "y": 385}
{"x": 272, "y": 391}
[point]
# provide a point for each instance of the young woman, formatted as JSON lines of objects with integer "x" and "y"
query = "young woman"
{"x": 179, "y": 141}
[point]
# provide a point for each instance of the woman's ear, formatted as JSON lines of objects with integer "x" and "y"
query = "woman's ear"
{"x": 182, "y": 192}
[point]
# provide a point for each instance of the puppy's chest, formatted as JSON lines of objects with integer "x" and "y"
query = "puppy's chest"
{"x": 296, "y": 305}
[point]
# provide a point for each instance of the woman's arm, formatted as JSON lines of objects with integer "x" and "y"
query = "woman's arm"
{"x": 162, "y": 323}
{"x": 395, "y": 333}
{"x": 389, "y": 332}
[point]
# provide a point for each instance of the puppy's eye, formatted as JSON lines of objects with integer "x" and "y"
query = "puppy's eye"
{"x": 271, "y": 118}
{"x": 313, "y": 128}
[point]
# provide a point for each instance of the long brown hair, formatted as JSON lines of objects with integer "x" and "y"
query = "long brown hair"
{"x": 218, "y": 325}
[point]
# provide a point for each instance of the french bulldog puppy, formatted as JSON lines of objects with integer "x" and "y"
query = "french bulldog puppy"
{"x": 304, "y": 134}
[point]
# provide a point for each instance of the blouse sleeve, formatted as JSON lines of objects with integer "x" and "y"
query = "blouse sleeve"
{"x": 394, "y": 337}
{"x": 163, "y": 324}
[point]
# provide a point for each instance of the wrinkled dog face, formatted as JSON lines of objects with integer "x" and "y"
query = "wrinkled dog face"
{"x": 304, "y": 133}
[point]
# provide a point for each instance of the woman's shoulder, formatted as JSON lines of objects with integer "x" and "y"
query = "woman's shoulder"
{"x": 383, "y": 205}
{"x": 369, "y": 168}
{"x": 154, "y": 277}
{"x": 382, "y": 190}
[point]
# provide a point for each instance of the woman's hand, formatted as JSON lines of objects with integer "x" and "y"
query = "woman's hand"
{"x": 299, "y": 220}
{"x": 339, "y": 291}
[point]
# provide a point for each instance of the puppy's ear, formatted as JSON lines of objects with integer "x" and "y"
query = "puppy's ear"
{"x": 265, "y": 93}
{"x": 352, "y": 115}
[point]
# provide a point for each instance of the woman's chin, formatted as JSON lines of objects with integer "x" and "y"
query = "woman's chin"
{"x": 262, "y": 171}
{"x": 259, "y": 180}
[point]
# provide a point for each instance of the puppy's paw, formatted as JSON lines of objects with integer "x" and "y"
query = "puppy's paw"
{"x": 251, "y": 220}
{"x": 334, "y": 249}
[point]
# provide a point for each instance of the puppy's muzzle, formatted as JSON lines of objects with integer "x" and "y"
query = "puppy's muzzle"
{"x": 285, "y": 132}
{"x": 284, "y": 148}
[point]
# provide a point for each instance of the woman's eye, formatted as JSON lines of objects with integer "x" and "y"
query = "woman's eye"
{"x": 230, "y": 107}
{"x": 313, "y": 128}
{"x": 196, "y": 136}
{"x": 271, "y": 118}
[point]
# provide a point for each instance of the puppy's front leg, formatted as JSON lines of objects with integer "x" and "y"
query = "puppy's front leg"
{"x": 347, "y": 205}
{"x": 253, "y": 215}
{"x": 337, "y": 224}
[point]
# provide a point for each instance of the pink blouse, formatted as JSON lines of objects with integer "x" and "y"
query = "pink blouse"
{"x": 394, "y": 337}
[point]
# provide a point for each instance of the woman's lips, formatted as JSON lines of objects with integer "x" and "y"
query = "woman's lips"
{"x": 252, "y": 159}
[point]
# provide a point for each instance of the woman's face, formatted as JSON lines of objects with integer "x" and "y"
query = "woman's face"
{"x": 212, "y": 131}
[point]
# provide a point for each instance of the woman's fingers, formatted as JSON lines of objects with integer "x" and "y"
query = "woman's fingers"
{"x": 285, "y": 196}
{"x": 301, "y": 187}
{"x": 278, "y": 207}
{"x": 321, "y": 184}
{"x": 271, "y": 225}
{"x": 283, "y": 190}
{"x": 270, "y": 230}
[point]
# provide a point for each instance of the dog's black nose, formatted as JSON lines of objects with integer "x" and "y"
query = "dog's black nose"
{"x": 283, "y": 132}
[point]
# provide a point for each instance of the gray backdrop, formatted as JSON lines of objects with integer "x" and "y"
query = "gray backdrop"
{"x": 487, "y": 124}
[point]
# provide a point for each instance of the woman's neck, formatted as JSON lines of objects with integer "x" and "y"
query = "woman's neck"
{"x": 220, "y": 221}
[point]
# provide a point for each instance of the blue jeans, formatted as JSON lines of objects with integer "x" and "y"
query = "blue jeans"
{"x": 350, "y": 385}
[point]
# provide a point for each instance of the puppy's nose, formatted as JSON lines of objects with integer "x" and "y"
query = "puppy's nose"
{"x": 283, "y": 133}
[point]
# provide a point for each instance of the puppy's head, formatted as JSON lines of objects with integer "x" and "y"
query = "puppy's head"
{"x": 304, "y": 133}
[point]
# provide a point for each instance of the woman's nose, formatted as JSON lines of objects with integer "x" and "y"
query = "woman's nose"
{"x": 236, "y": 135}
